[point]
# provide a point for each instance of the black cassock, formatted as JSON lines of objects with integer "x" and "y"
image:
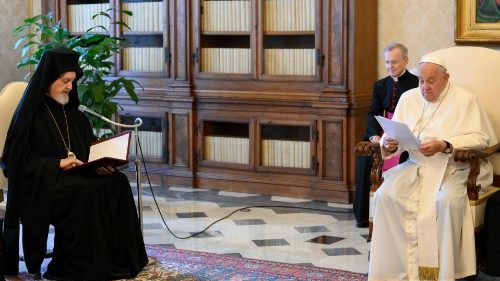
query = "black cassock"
{"x": 492, "y": 235}
{"x": 97, "y": 231}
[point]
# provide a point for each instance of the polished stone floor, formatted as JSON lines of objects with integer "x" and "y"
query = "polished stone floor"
{"x": 273, "y": 228}
{"x": 254, "y": 226}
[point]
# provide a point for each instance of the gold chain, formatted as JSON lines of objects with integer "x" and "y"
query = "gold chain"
{"x": 68, "y": 146}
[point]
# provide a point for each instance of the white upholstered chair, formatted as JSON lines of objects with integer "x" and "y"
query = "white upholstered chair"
{"x": 9, "y": 99}
{"x": 478, "y": 70}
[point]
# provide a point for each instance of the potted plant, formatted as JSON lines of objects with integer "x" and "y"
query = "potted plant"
{"x": 96, "y": 89}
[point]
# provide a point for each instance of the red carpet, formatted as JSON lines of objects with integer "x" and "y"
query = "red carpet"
{"x": 181, "y": 265}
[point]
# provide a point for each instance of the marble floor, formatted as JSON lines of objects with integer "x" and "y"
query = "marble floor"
{"x": 254, "y": 226}
{"x": 273, "y": 228}
{"x": 257, "y": 226}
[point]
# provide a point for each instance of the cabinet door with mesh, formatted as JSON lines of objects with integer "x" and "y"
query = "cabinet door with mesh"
{"x": 287, "y": 146}
{"x": 224, "y": 39}
{"x": 224, "y": 143}
{"x": 289, "y": 32}
{"x": 146, "y": 52}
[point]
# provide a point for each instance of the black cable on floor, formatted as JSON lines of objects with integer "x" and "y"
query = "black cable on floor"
{"x": 242, "y": 209}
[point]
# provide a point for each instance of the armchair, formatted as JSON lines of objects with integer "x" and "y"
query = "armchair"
{"x": 476, "y": 69}
{"x": 9, "y": 99}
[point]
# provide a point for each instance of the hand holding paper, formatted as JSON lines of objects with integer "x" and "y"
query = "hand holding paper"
{"x": 399, "y": 131}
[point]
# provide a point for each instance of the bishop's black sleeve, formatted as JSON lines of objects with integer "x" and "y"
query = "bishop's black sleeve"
{"x": 377, "y": 108}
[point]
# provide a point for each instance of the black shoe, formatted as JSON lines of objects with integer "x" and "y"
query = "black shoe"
{"x": 362, "y": 224}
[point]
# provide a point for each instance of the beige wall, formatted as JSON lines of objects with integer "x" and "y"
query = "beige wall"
{"x": 12, "y": 14}
{"x": 422, "y": 25}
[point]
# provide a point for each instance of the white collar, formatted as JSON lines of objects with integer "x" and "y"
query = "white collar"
{"x": 397, "y": 77}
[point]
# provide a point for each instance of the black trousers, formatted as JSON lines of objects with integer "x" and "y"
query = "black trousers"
{"x": 492, "y": 235}
{"x": 362, "y": 194}
{"x": 363, "y": 183}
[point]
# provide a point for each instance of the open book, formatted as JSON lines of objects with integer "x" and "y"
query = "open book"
{"x": 112, "y": 151}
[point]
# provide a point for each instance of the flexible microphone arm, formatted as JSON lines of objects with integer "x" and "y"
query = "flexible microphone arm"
{"x": 137, "y": 123}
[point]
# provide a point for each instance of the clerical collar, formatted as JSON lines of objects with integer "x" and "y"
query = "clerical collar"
{"x": 397, "y": 77}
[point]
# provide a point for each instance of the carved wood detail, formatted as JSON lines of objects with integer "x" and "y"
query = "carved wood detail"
{"x": 372, "y": 149}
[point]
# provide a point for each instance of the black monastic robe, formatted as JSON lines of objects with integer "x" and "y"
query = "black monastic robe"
{"x": 97, "y": 231}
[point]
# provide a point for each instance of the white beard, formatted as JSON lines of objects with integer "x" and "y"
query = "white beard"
{"x": 61, "y": 99}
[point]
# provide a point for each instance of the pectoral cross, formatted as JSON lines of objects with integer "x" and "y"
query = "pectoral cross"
{"x": 71, "y": 154}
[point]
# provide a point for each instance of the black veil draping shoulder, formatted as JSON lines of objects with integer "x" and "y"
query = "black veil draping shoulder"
{"x": 53, "y": 63}
{"x": 97, "y": 231}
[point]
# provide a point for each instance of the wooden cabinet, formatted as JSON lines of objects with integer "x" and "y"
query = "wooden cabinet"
{"x": 151, "y": 137}
{"x": 145, "y": 57}
{"x": 265, "y": 96}
{"x": 224, "y": 40}
{"x": 145, "y": 52}
{"x": 147, "y": 40}
{"x": 223, "y": 143}
{"x": 286, "y": 146}
{"x": 263, "y": 40}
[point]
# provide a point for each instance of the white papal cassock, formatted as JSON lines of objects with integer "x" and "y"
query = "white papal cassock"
{"x": 421, "y": 216}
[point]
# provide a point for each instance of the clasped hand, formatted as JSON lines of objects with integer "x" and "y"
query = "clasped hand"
{"x": 427, "y": 148}
{"x": 68, "y": 163}
{"x": 430, "y": 147}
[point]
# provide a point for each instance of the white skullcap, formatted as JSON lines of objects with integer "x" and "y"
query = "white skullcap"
{"x": 434, "y": 60}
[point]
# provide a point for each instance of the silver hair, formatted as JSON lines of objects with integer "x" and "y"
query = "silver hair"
{"x": 391, "y": 46}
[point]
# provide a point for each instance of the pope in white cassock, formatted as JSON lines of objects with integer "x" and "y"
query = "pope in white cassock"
{"x": 423, "y": 228}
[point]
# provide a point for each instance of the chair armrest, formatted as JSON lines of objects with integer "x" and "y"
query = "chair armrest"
{"x": 366, "y": 148}
{"x": 473, "y": 157}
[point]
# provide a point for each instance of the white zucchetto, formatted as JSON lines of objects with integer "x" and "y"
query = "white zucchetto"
{"x": 434, "y": 60}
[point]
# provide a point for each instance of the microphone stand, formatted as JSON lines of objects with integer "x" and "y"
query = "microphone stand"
{"x": 137, "y": 123}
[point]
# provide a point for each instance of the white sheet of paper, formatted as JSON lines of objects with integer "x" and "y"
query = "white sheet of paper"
{"x": 115, "y": 147}
{"x": 398, "y": 131}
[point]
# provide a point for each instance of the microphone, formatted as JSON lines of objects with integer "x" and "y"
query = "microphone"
{"x": 84, "y": 109}
{"x": 138, "y": 121}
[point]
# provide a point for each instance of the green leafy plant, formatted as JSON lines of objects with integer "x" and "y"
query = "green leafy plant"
{"x": 96, "y": 88}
